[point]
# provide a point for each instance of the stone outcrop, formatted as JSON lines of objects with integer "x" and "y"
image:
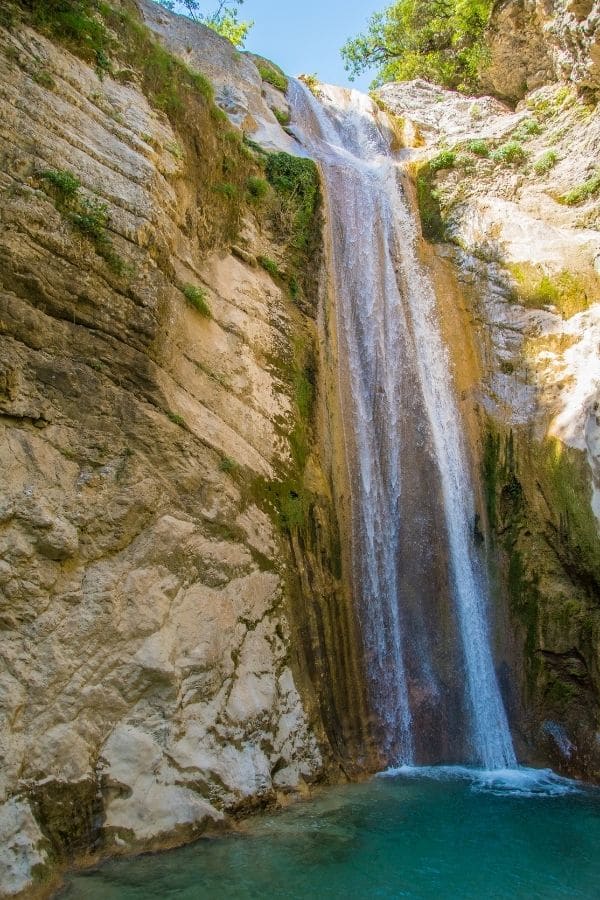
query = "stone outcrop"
{"x": 534, "y": 42}
{"x": 510, "y": 203}
{"x": 150, "y": 684}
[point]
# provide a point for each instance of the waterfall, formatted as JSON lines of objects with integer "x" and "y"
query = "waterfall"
{"x": 407, "y": 467}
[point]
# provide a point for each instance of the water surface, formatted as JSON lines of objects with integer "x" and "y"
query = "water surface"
{"x": 444, "y": 834}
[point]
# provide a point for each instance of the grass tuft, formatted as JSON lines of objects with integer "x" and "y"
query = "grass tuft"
{"x": 444, "y": 160}
{"x": 583, "y": 191}
{"x": 512, "y": 152}
{"x": 270, "y": 266}
{"x": 196, "y": 298}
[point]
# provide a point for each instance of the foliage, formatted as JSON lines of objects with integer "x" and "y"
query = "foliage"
{"x": 432, "y": 223}
{"x": 176, "y": 419}
{"x": 312, "y": 83}
{"x": 196, "y": 297}
{"x": 271, "y": 73}
{"x": 444, "y": 160}
{"x": 257, "y": 187}
{"x": 223, "y": 20}
{"x": 440, "y": 40}
{"x": 296, "y": 180}
{"x": 545, "y": 162}
{"x": 479, "y": 148}
{"x": 583, "y": 191}
{"x": 270, "y": 266}
{"x": 510, "y": 152}
{"x": 75, "y": 23}
{"x": 65, "y": 184}
{"x": 526, "y": 129}
{"x": 227, "y": 464}
{"x": 44, "y": 79}
{"x": 226, "y": 189}
{"x": 87, "y": 215}
{"x": 282, "y": 117}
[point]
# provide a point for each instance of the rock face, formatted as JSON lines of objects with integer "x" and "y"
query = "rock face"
{"x": 535, "y": 42}
{"x": 513, "y": 213}
{"x": 149, "y": 682}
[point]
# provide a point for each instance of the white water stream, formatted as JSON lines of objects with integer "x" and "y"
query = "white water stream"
{"x": 393, "y": 365}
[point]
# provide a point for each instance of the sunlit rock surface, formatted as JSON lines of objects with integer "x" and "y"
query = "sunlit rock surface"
{"x": 146, "y": 687}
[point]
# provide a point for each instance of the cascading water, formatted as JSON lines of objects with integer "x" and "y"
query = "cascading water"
{"x": 412, "y": 502}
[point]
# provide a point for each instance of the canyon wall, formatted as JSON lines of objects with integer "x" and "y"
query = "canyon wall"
{"x": 170, "y": 554}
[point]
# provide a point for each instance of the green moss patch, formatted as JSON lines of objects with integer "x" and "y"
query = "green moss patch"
{"x": 432, "y": 222}
{"x": 566, "y": 291}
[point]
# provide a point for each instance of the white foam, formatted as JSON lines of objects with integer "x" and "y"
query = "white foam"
{"x": 517, "y": 782}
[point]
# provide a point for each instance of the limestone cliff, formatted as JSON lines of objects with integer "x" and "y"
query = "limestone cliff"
{"x": 510, "y": 206}
{"x": 535, "y": 42}
{"x": 159, "y": 396}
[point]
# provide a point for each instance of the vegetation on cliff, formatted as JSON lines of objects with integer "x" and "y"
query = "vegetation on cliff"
{"x": 440, "y": 40}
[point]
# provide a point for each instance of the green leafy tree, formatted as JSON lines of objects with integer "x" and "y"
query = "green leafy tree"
{"x": 224, "y": 19}
{"x": 440, "y": 40}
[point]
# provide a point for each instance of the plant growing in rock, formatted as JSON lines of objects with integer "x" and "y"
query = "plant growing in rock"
{"x": 444, "y": 160}
{"x": 479, "y": 148}
{"x": 258, "y": 188}
{"x": 512, "y": 152}
{"x": 283, "y": 118}
{"x": 270, "y": 266}
{"x": 88, "y": 215}
{"x": 584, "y": 191}
{"x": 526, "y": 129}
{"x": 312, "y": 83}
{"x": 272, "y": 74}
{"x": 196, "y": 298}
{"x": 226, "y": 189}
{"x": 545, "y": 162}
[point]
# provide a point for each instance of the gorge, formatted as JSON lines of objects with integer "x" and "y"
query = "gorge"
{"x": 301, "y": 456}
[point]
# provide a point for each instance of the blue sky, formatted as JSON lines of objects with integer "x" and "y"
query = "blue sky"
{"x": 306, "y": 35}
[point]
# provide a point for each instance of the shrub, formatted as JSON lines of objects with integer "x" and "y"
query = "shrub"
{"x": 44, "y": 79}
{"x": 283, "y": 118}
{"x": 91, "y": 218}
{"x": 511, "y": 152}
{"x": 76, "y": 24}
{"x": 270, "y": 266}
{"x": 176, "y": 419}
{"x": 583, "y": 191}
{"x": 432, "y": 223}
{"x": 444, "y": 160}
{"x": 545, "y": 162}
{"x": 312, "y": 83}
{"x": 272, "y": 74}
{"x": 257, "y": 187}
{"x": 296, "y": 180}
{"x": 65, "y": 184}
{"x": 526, "y": 129}
{"x": 196, "y": 297}
{"x": 226, "y": 189}
{"x": 479, "y": 148}
{"x": 88, "y": 215}
{"x": 227, "y": 464}
{"x": 294, "y": 286}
